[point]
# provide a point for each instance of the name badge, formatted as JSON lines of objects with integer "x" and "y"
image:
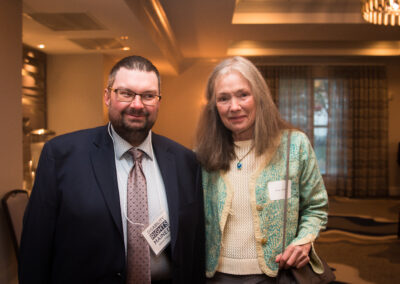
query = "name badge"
{"x": 276, "y": 189}
{"x": 158, "y": 234}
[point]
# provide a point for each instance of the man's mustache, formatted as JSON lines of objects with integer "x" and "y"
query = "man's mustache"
{"x": 136, "y": 112}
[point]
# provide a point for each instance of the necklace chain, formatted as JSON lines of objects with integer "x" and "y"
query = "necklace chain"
{"x": 239, "y": 163}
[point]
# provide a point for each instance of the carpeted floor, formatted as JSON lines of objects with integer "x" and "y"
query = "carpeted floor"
{"x": 386, "y": 209}
{"x": 362, "y": 225}
{"x": 361, "y": 241}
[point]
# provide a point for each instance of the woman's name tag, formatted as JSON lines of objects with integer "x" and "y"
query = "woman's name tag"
{"x": 276, "y": 189}
{"x": 158, "y": 234}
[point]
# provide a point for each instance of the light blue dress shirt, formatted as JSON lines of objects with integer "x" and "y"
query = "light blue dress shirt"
{"x": 156, "y": 196}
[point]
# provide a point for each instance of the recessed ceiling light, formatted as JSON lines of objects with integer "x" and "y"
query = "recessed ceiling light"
{"x": 41, "y": 46}
{"x": 126, "y": 48}
{"x": 124, "y": 37}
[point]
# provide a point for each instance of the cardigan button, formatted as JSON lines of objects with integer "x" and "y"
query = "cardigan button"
{"x": 263, "y": 241}
{"x": 259, "y": 207}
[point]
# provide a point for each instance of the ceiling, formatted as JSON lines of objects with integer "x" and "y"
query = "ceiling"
{"x": 172, "y": 32}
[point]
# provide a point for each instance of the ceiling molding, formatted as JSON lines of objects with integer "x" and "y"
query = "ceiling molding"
{"x": 97, "y": 43}
{"x": 297, "y": 18}
{"x": 314, "y": 48}
{"x": 151, "y": 14}
{"x": 297, "y": 12}
{"x": 173, "y": 32}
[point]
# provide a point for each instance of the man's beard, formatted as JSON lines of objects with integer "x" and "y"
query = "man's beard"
{"x": 130, "y": 132}
{"x": 125, "y": 124}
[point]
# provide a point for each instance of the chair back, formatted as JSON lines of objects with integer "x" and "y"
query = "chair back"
{"x": 14, "y": 204}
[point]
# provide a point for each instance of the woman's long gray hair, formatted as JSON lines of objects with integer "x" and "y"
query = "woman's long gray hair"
{"x": 215, "y": 148}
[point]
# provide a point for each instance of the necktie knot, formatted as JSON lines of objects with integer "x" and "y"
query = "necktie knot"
{"x": 137, "y": 154}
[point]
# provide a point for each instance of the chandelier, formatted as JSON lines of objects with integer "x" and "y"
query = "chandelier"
{"x": 381, "y": 12}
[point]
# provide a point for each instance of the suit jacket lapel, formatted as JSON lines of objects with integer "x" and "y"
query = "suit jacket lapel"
{"x": 103, "y": 162}
{"x": 167, "y": 165}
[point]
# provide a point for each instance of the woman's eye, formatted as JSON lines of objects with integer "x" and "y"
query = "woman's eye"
{"x": 222, "y": 99}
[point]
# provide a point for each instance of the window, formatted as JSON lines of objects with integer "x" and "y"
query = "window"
{"x": 343, "y": 110}
{"x": 320, "y": 121}
{"x": 304, "y": 103}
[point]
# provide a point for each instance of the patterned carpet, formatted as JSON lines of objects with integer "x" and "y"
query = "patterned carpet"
{"x": 361, "y": 241}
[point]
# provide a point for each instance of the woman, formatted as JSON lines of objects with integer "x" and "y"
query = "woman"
{"x": 241, "y": 143}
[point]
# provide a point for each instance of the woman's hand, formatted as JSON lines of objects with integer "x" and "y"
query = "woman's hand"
{"x": 294, "y": 256}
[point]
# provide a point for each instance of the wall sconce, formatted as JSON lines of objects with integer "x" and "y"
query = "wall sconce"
{"x": 38, "y": 138}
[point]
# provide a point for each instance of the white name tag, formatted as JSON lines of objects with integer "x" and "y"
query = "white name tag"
{"x": 276, "y": 189}
{"x": 158, "y": 234}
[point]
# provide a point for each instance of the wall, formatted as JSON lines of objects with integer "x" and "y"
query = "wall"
{"x": 75, "y": 88}
{"x": 183, "y": 97}
{"x": 182, "y": 100}
{"x": 76, "y": 84}
{"x": 108, "y": 63}
{"x": 74, "y": 92}
{"x": 394, "y": 126}
{"x": 10, "y": 123}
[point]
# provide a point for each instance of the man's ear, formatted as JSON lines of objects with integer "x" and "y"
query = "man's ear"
{"x": 107, "y": 97}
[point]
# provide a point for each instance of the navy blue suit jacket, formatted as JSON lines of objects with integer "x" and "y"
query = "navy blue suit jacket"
{"x": 72, "y": 230}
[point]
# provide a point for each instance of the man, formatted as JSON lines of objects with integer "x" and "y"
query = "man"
{"x": 82, "y": 223}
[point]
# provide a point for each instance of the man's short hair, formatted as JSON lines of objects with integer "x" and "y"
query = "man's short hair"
{"x": 133, "y": 62}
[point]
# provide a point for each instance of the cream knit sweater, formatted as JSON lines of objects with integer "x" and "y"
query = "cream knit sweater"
{"x": 238, "y": 254}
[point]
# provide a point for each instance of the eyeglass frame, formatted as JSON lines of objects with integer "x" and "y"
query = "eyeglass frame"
{"x": 133, "y": 94}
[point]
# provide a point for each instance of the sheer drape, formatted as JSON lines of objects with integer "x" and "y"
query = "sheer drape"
{"x": 357, "y": 152}
{"x": 357, "y": 144}
{"x": 291, "y": 89}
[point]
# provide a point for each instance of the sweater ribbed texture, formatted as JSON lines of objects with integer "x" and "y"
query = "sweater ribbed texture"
{"x": 238, "y": 253}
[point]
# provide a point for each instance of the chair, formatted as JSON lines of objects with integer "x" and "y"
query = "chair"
{"x": 14, "y": 204}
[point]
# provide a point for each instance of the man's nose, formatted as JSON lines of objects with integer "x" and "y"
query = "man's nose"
{"x": 137, "y": 102}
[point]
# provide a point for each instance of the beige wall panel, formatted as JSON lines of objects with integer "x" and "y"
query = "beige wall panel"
{"x": 10, "y": 123}
{"x": 74, "y": 92}
{"x": 182, "y": 102}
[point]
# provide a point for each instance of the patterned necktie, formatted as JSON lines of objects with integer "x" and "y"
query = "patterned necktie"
{"x": 138, "y": 252}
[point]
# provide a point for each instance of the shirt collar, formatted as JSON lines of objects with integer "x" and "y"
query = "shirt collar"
{"x": 122, "y": 146}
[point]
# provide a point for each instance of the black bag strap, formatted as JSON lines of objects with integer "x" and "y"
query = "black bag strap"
{"x": 286, "y": 192}
{"x": 304, "y": 274}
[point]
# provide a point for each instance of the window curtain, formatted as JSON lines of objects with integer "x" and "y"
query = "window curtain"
{"x": 357, "y": 143}
{"x": 291, "y": 88}
{"x": 357, "y": 152}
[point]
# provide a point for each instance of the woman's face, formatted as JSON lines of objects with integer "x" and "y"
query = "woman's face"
{"x": 235, "y": 105}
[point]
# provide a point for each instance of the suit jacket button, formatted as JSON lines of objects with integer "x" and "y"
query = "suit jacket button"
{"x": 119, "y": 274}
{"x": 259, "y": 207}
{"x": 263, "y": 241}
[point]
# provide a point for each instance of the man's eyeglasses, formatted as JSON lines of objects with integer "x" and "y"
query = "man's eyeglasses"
{"x": 127, "y": 96}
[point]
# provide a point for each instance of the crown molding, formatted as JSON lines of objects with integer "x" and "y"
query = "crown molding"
{"x": 152, "y": 15}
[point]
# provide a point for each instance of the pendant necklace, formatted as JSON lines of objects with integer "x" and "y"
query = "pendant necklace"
{"x": 239, "y": 164}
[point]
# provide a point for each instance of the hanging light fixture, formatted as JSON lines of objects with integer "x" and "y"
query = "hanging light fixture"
{"x": 381, "y": 12}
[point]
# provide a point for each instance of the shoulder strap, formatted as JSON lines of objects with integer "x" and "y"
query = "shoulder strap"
{"x": 286, "y": 192}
